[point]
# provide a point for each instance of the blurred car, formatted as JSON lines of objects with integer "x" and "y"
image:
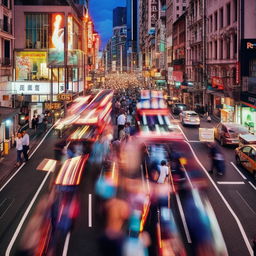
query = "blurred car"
{"x": 177, "y": 108}
{"x": 246, "y": 157}
{"x": 189, "y": 118}
{"x": 228, "y": 133}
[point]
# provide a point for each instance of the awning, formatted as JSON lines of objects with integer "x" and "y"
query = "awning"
{"x": 216, "y": 93}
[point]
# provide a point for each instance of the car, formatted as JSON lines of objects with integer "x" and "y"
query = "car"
{"x": 189, "y": 118}
{"x": 228, "y": 133}
{"x": 246, "y": 157}
{"x": 177, "y": 108}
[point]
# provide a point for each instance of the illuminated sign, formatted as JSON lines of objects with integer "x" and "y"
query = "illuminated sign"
{"x": 154, "y": 13}
{"x": 217, "y": 82}
{"x": 52, "y": 106}
{"x": 238, "y": 73}
{"x": 70, "y": 33}
{"x": 56, "y": 40}
{"x": 64, "y": 97}
{"x": 90, "y": 35}
{"x": 250, "y": 45}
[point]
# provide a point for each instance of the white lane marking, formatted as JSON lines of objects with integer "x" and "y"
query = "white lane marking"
{"x": 252, "y": 185}
{"x": 230, "y": 182}
{"x": 183, "y": 218}
{"x": 90, "y": 211}
{"x": 238, "y": 170}
{"x": 17, "y": 231}
{"x": 243, "y": 199}
{"x": 195, "y": 141}
{"x": 240, "y": 226}
{"x": 9, "y": 205}
{"x": 7, "y": 182}
{"x": 65, "y": 250}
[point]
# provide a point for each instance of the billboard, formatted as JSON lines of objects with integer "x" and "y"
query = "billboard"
{"x": 56, "y": 39}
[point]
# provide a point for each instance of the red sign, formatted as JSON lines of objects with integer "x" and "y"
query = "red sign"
{"x": 178, "y": 76}
{"x": 237, "y": 73}
{"x": 217, "y": 82}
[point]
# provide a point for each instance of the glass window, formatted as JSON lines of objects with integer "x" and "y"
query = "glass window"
{"x": 22, "y": 87}
{"x": 221, "y": 18}
{"x": 37, "y": 87}
{"x": 37, "y": 31}
{"x": 215, "y": 21}
{"x": 228, "y": 14}
{"x": 252, "y": 154}
{"x": 5, "y": 3}
{"x": 246, "y": 150}
{"x": 30, "y": 87}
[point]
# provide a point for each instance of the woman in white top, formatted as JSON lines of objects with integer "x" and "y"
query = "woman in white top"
{"x": 164, "y": 172}
{"x": 19, "y": 148}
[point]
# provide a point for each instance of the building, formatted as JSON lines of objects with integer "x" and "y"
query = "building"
{"x": 49, "y": 57}
{"x": 8, "y": 115}
{"x": 132, "y": 44}
{"x": 180, "y": 88}
{"x": 118, "y": 40}
{"x": 246, "y": 111}
{"x": 222, "y": 57}
{"x": 195, "y": 53}
{"x": 174, "y": 9}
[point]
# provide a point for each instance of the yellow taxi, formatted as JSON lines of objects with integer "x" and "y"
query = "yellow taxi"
{"x": 246, "y": 157}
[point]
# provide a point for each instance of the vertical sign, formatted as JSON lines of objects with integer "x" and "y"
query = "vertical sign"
{"x": 90, "y": 35}
{"x": 238, "y": 73}
{"x": 154, "y": 13}
{"x": 56, "y": 39}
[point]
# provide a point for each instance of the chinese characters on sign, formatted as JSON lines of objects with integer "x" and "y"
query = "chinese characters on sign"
{"x": 206, "y": 135}
{"x": 64, "y": 97}
{"x": 52, "y": 106}
{"x": 154, "y": 12}
{"x": 90, "y": 35}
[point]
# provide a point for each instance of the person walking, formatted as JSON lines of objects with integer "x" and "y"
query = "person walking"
{"x": 164, "y": 172}
{"x": 25, "y": 144}
{"x": 34, "y": 123}
{"x": 217, "y": 158}
{"x": 121, "y": 120}
{"x": 19, "y": 148}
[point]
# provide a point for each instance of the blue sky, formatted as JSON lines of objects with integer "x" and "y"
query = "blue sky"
{"x": 101, "y": 12}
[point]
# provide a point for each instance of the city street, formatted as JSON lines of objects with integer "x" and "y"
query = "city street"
{"x": 231, "y": 196}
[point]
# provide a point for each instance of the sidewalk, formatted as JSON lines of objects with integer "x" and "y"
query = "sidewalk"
{"x": 7, "y": 163}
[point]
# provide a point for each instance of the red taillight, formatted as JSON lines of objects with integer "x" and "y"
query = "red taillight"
{"x": 226, "y": 134}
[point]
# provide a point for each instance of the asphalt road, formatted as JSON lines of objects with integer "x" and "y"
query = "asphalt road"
{"x": 238, "y": 213}
{"x": 233, "y": 204}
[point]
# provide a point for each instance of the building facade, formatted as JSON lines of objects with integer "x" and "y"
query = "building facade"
{"x": 49, "y": 57}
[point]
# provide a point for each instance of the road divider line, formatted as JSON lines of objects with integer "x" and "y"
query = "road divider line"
{"x": 239, "y": 224}
{"x": 183, "y": 219}
{"x": 252, "y": 185}
{"x": 65, "y": 250}
{"x": 40, "y": 143}
{"x": 195, "y": 141}
{"x": 17, "y": 231}
{"x": 236, "y": 168}
{"x": 245, "y": 202}
{"x": 90, "y": 210}
{"x": 230, "y": 182}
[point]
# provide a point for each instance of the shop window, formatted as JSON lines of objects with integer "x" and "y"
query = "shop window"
{"x": 37, "y": 87}
{"x": 30, "y": 87}
{"x": 37, "y": 31}
{"x": 5, "y": 3}
{"x": 31, "y": 66}
{"x": 22, "y": 87}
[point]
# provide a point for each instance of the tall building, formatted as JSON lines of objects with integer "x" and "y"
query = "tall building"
{"x": 49, "y": 55}
{"x": 222, "y": 35}
{"x": 195, "y": 53}
{"x": 174, "y": 9}
{"x": 132, "y": 45}
{"x": 8, "y": 122}
{"x": 118, "y": 44}
{"x": 246, "y": 111}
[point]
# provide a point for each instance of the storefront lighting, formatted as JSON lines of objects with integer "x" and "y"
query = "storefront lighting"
{"x": 8, "y": 122}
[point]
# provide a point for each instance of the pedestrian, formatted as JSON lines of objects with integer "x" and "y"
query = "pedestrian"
{"x": 34, "y": 123}
{"x": 217, "y": 159}
{"x": 164, "y": 172}
{"x": 19, "y": 148}
{"x": 127, "y": 128}
{"x": 121, "y": 122}
{"x": 25, "y": 144}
